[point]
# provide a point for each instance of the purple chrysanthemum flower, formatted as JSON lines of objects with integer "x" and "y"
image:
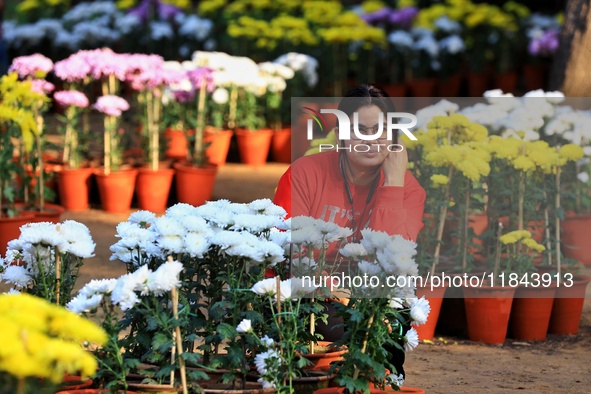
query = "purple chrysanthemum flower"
{"x": 403, "y": 17}
{"x": 200, "y": 76}
{"x": 380, "y": 16}
{"x": 35, "y": 66}
{"x": 544, "y": 45}
{"x": 111, "y": 105}
{"x": 67, "y": 98}
{"x": 161, "y": 11}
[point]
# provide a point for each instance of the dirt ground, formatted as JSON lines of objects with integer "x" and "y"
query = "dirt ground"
{"x": 448, "y": 364}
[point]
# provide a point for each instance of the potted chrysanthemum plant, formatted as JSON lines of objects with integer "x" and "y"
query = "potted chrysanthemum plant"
{"x": 116, "y": 184}
{"x": 34, "y": 172}
{"x": 73, "y": 180}
{"x": 141, "y": 313}
{"x": 149, "y": 80}
{"x": 46, "y": 258}
{"x": 57, "y": 336}
{"x": 379, "y": 314}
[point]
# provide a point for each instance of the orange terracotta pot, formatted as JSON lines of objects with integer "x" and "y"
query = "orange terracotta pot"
{"x": 10, "y": 228}
{"x": 321, "y": 361}
{"x": 219, "y": 145}
{"x": 72, "y": 382}
{"x": 487, "y": 313}
{"x": 281, "y": 145}
{"x": 506, "y": 81}
{"x": 194, "y": 185}
{"x": 116, "y": 189}
{"x": 254, "y": 146}
{"x": 435, "y": 298}
{"x": 575, "y": 238}
{"x": 176, "y": 144}
{"x": 341, "y": 390}
{"x": 152, "y": 188}
{"x": 94, "y": 391}
{"x": 530, "y": 313}
{"x": 423, "y": 87}
{"x": 477, "y": 83}
{"x": 73, "y": 188}
{"x": 450, "y": 86}
{"x": 568, "y": 307}
{"x": 396, "y": 89}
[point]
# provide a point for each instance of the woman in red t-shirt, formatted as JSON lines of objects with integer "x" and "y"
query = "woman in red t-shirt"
{"x": 357, "y": 189}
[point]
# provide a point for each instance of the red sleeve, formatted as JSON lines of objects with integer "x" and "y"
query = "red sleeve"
{"x": 283, "y": 192}
{"x": 399, "y": 210}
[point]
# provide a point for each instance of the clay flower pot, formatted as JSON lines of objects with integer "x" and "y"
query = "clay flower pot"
{"x": 323, "y": 359}
{"x": 530, "y": 313}
{"x": 568, "y": 306}
{"x": 152, "y": 188}
{"x": 116, "y": 189}
{"x": 73, "y": 186}
{"x": 487, "y": 313}
{"x": 254, "y": 145}
{"x": 194, "y": 185}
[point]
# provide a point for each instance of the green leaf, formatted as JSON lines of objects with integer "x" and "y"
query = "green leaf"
{"x": 226, "y": 331}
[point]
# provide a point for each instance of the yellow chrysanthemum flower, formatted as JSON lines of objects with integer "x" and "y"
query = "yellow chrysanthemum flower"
{"x": 372, "y": 5}
{"x": 570, "y": 152}
{"x": 439, "y": 179}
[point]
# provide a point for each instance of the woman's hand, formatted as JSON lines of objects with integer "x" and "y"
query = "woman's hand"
{"x": 395, "y": 167}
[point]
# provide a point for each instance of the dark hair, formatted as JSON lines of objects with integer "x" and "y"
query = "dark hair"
{"x": 365, "y": 95}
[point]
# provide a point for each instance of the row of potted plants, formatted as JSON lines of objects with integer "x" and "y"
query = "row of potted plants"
{"x": 391, "y": 42}
{"x": 512, "y": 173}
{"x": 214, "y": 89}
{"x": 216, "y": 299}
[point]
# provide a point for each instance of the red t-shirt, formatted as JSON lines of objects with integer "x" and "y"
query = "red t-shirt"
{"x": 314, "y": 186}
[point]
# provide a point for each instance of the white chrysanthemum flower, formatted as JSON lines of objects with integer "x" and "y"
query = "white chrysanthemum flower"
{"x": 265, "y": 384}
{"x": 264, "y": 359}
{"x": 171, "y": 243}
{"x": 138, "y": 279}
{"x": 265, "y": 287}
{"x": 181, "y": 210}
{"x": 271, "y": 252}
{"x": 220, "y": 96}
{"x": 123, "y": 293}
{"x": 197, "y": 224}
{"x": 41, "y": 233}
{"x": 304, "y": 263}
{"x": 583, "y": 177}
{"x": 419, "y": 310}
{"x": 395, "y": 380}
{"x": 281, "y": 238}
{"x": 244, "y": 326}
{"x": 16, "y": 275}
{"x": 396, "y": 303}
{"x": 268, "y": 342}
{"x": 369, "y": 268}
{"x": 226, "y": 239}
{"x": 254, "y": 223}
{"x": 247, "y": 250}
{"x": 14, "y": 252}
{"x": 81, "y": 303}
{"x": 309, "y": 235}
{"x": 142, "y": 218}
{"x": 300, "y": 288}
{"x": 77, "y": 239}
{"x": 260, "y": 205}
{"x": 165, "y": 278}
{"x": 218, "y": 216}
{"x": 411, "y": 339}
{"x": 98, "y": 286}
{"x": 166, "y": 226}
{"x": 353, "y": 250}
{"x": 195, "y": 244}
{"x": 374, "y": 240}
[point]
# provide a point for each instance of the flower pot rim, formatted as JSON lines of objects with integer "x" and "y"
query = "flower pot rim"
{"x": 100, "y": 171}
{"x": 185, "y": 164}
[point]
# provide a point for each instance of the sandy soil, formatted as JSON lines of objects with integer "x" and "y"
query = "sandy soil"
{"x": 448, "y": 364}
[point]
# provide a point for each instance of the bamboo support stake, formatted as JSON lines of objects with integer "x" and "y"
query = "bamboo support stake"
{"x": 547, "y": 229}
{"x": 364, "y": 346}
{"x": 58, "y": 275}
{"x": 557, "y": 234}
{"x": 465, "y": 241}
{"x": 179, "y": 342}
{"x": 107, "y": 143}
{"x": 233, "y": 106}
{"x": 200, "y": 123}
{"x": 442, "y": 217}
{"x": 40, "y": 162}
{"x": 520, "y": 201}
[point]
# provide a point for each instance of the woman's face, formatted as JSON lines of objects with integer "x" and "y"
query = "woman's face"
{"x": 363, "y": 153}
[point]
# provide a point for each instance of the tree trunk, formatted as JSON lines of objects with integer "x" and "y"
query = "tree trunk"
{"x": 570, "y": 71}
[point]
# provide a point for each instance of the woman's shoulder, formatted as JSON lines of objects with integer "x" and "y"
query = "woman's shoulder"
{"x": 323, "y": 161}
